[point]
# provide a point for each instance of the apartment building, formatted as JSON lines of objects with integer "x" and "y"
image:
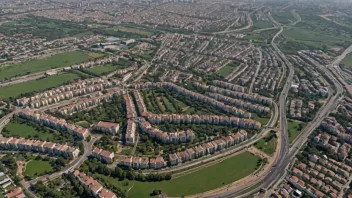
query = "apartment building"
{"x": 55, "y": 123}
{"x": 130, "y": 108}
{"x": 107, "y": 127}
{"x": 22, "y": 144}
{"x": 130, "y": 135}
{"x": 94, "y": 186}
{"x": 105, "y": 156}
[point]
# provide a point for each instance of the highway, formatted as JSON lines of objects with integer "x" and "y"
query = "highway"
{"x": 286, "y": 155}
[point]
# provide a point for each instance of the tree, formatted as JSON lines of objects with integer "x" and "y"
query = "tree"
{"x": 89, "y": 138}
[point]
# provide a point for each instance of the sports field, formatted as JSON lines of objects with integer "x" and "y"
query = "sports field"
{"x": 16, "y": 90}
{"x": 38, "y": 65}
{"x": 38, "y": 167}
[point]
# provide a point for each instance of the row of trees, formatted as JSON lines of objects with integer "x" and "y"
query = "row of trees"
{"x": 94, "y": 166}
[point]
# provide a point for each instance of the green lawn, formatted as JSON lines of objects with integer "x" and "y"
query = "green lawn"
{"x": 227, "y": 69}
{"x": 347, "y": 62}
{"x": 284, "y": 18}
{"x": 169, "y": 106}
{"x": 212, "y": 177}
{"x": 261, "y": 24}
{"x": 103, "y": 69}
{"x": 16, "y": 90}
{"x": 263, "y": 120}
{"x": 25, "y": 131}
{"x": 83, "y": 124}
{"x": 267, "y": 145}
{"x": 37, "y": 65}
{"x": 293, "y": 129}
{"x": 37, "y": 167}
{"x": 133, "y": 30}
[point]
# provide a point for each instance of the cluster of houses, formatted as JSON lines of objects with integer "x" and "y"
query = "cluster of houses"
{"x": 202, "y": 98}
{"x": 94, "y": 186}
{"x": 55, "y": 123}
{"x": 296, "y": 108}
{"x": 331, "y": 126}
{"x": 255, "y": 98}
{"x": 167, "y": 137}
{"x": 320, "y": 177}
{"x": 143, "y": 162}
{"x": 21, "y": 144}
{"x": 103, "y": 155}
{"x": 130, "y": 135}
{"x": 66, "y": 92}
{"x": 207, "y": 148}
{"x": 250, "y": 107}
{"x": 308, "y": 86}
{"x": 86, "y": 103}
{"x": 196, "y": 96}
{"x": 203, "y": 119}
{"x": 89, "y": 64}
{"x": 130, "y": 108}
{"x": 332, "y": 145}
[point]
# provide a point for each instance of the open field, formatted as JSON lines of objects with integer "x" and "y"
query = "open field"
{"x": 347, "y": 62}
{"x": 25, "y": 131}
{"x": 19, "y": 89}
{"x": 215, "y": 176}
{"x": 83, "y": 124}
{"x": 260, "y": 24}
{"x": 262, "y": 120}
{"x": 267, "y": 144}
{"x": 227, "y": 69}
{"x": 284, "y": 18}
{"x": 103, "y": 69}
{"x": 133, "y": 30}
{"x": 38, "y": 65}
{"x": 294, "y": 129}
{"x": 37, "y": 167}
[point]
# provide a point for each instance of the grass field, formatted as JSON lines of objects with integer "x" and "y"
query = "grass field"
{"x": 208, "y": 178}
{"x": 37, "y": 167}
{"x": 267, "y": 146}
{"x": 16, "y": 90}
{"x": 95, "y": 54}
{"x": 293, "y": 129}
{"x": 103, "y": 69}
{"x": 25, "y": 131}
{"x": 347, "y": 62}
{"x": 284, "y": 18}
{"x": 227, "y": 69}
{"x": 38, "y": 65}
{"x": 133, "y": 30}
{"x": 260, "y": 24}
{"x": 83, "y": 124}
{"x": 262, "y": 120}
